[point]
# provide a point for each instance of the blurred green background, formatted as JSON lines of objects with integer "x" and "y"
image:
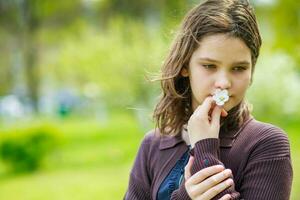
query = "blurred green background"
{"x": 75, "y": 100}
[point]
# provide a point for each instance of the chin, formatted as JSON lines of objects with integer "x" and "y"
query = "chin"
{"x": 228, "y": 107}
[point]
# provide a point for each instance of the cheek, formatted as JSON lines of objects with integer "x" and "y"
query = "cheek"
{"x": 199, "y": 88}
{"x": 200, "y": 85}
{"x": 243, "y": 85}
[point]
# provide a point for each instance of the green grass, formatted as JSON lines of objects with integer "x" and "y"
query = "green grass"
{"x": 94, "y": 163}
{"x": 88, "y": 183}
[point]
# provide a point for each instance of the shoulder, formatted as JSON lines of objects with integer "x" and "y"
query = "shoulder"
{"x": 154, "y": 141}
{"x": 151, "y": 141}
{"x": 145, "y": 152}
{"x": 266, "y": 140}
{"x": 149, "y": 151}
{"x": 151, "y": 138}
{"x": 262, "y": 131}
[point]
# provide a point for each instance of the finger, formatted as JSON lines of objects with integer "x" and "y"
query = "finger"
{"x": 204, "y": 173}
{"x": 213, "y": 105}
{"x": 226, "y": 197}
{"x": 216, "y": 115}
{"x": 187, "y": 169}
{"x": 204, "y": 108}
{"x": 212, "y": 181}
{"x": 224, "y": 113}
{"x": 212, "y": 192}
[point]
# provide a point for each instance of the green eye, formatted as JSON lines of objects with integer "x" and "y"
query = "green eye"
{"x": 239, "y": 69}
{"x": 209, "y": 66}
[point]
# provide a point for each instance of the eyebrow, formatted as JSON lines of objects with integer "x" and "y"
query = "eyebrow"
{"x": 216, "y": 61}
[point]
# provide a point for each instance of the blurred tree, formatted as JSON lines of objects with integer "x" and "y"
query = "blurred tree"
{"x": 5, "y": 82}
{"x": 64, "y": 38}
{"x": 23, "y": 19}
{"x": 31, "y": 23}
{"x": 282, "y": 17}
{"x": 145, "y": 10}
{"x": 286, "y": 23}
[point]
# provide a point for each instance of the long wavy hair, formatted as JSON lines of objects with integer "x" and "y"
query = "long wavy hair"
{"x": 233, "y": 17}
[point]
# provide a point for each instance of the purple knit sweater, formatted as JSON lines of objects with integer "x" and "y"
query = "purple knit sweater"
{"x": 258, "y": 155}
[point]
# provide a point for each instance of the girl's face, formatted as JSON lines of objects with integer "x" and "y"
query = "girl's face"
{"x": 220, "y": 61}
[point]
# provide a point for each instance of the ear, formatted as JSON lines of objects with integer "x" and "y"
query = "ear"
{"x": 184, "y": 72}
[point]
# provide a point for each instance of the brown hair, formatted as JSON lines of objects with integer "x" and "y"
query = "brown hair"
{"x": 233, "y": 17}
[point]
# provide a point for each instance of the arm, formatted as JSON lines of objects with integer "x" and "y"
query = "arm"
{"x": 139, "y": 180}
{"x": 136, "y": 189}
{"x": 203, "y": 131}
{"x": 268, "y": 175}
{"x": 206, "y": 154}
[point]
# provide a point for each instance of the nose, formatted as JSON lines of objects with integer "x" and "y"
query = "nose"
{"x": 223, "y": 81}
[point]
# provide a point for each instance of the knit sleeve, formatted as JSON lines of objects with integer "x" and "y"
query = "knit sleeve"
{"x": 139, "y": 180}
{"x": 206, "y": 153}
{"x": 268, "y": 174}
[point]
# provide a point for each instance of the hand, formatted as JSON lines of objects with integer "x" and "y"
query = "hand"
{"x": 208, "y": 182}
{"x": 205, "y": 121}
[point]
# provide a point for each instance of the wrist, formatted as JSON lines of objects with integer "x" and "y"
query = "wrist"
{"x": 193, "y": 141}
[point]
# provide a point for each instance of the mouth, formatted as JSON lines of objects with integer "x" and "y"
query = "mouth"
{"x": 212, "y": 94}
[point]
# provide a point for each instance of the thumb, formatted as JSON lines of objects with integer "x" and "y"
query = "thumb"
{"x": 216, "y": 115}
{"x": 187, "y": 169}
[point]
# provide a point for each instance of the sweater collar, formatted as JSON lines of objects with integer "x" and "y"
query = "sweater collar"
{"x": 170, "y": 141}
{"x": 226, "y": 139}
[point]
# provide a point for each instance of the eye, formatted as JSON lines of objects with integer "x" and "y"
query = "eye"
{"x": 209, "y": 66}
{"x": 239, "y": 69}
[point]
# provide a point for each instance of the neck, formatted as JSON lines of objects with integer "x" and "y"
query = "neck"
{"x": 185, "y": 135}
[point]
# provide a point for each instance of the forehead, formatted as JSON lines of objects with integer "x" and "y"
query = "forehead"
{"x": 223, "y": 47}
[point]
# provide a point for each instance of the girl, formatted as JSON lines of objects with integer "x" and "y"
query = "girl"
{"x": 203, "y": 150}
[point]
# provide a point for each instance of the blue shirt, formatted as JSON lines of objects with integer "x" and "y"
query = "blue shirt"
{"x": 174, "y": 178}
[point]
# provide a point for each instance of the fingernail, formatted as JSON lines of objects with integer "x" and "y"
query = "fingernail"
{"x": 220, "y": 166}
{"x": 227, "y": 172}
{"x": 229, "y": 182}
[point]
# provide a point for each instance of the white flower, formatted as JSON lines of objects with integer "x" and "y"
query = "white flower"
{"x": 220, "y": 97}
